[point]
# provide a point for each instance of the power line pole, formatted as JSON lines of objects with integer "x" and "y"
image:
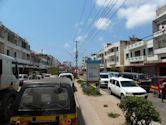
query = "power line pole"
{"x": 76, "y": 58}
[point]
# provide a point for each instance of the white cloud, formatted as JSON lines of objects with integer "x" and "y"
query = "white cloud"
{"x": 135, "y": 12}
{"x": 67, "y": 45}
{"x": 137, "y": 16}
{"x": 102, "y": 23}
{"x": 81, "y": 37}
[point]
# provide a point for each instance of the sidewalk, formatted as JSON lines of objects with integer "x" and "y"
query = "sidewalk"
{"x": 93, "y": 110}
{"x": 89, "y": 114}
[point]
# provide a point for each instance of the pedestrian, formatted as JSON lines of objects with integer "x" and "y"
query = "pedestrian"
{"x": 163, "y": 90}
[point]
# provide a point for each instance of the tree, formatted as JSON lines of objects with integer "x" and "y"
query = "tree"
{"x": 139, "y": 111}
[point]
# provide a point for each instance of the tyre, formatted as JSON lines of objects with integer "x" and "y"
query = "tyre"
{"x": 122, "y": 96}
{"x": 110, "y": 92}
{"x": 7, "y": 103}
{"x": 8, "y": 108}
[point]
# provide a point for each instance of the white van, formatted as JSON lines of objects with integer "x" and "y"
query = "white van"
{"x": 125, "y": 87}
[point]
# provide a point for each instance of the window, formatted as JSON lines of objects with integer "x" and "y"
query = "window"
{"x": 137, "y": 53}
{"x": 128, "y": 84}
{"x": 103, "y": 76}
{"x": 8, "y": 52}
{"x": 113, "y": 82}
{"x": 0, "y": 67}
{"x": 42, "y": 98}
{"x": 144, "y": 52}
{"x": 14, "y": 69}
{"x": 15, "y": 54}
{"x": 150, "y": 51}
{"x": 127, "y": 56}
{"x": 117, "y": 83}
{"x": 131, "y": 54}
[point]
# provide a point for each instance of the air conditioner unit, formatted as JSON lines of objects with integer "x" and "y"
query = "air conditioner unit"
{"x": 162, "y": 27}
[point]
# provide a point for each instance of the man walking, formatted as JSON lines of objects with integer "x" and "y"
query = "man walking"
{"x": 163, "y": 90}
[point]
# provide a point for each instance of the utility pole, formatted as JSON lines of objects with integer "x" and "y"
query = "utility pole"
{"x": 76, "y": 58}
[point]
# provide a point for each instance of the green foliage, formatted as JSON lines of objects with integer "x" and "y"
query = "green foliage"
{"x": 138, "y": 110}
{"x": 80, "y": 81}
{"x": 90, "y": 90}
{"x": 113, "y": 115}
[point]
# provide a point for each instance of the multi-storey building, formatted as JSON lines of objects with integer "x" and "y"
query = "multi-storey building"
{"x": 159, "y": 39}
{"x": 139, "y": 57}
{"x": 100, "y": 57}
{"x": 114, "y": 55}
{"x": 15, "y": 46}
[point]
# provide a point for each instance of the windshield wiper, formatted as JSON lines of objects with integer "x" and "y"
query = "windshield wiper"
{"x": 33, "y": 106}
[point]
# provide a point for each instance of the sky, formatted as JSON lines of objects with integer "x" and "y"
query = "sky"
{"x": 53, "y": 26}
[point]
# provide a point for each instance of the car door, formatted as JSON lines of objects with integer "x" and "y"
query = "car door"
{"x": 117, "y": 88}
{"x": 113, "y": 86}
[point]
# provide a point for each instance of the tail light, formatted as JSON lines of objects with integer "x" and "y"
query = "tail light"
{"x": 17, "y": 123}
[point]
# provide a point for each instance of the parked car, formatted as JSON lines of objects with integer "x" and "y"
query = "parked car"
{"x": 104, "y": 79}
{"x": 23, "y": 77}
{"x": 156, "y": 83}
{"x": 114, "y": 74}
{"x": 45, "y": 102}
{"x": 125, "y": 87}
{"x": 69, "y": 76}
{"x": 140, "y": 78}
{"x": 33, "y": 77}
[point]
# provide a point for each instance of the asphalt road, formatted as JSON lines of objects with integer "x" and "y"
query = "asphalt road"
{"x": 160, "y": 107}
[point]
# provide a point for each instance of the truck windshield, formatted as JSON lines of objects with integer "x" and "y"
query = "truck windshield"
{"x": 45, "y": 98}
{"x": 103, "y": 76}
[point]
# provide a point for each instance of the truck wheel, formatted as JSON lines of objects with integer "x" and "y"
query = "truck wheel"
{"x": 7, "y": 104}
{"x": 8, "y": 108}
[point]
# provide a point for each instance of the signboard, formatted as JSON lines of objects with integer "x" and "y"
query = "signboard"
{"x": 93, "y": 70}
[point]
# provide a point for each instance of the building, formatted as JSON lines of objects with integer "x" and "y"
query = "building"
{"x": 114, "y": 56}
{"x": 100, "y": 57}
{"x": 15, "y": 46}
{"x": 159, "y": 40}
{"x": 139, "y": 57}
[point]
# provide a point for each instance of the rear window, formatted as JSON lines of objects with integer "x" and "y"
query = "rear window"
{"x": 103, "y": 76}
{"x": 45, "y": 98}
{"x": 129, "y": 76}
{"x": 68, "y": 76}
{"x": 142, "y": 77}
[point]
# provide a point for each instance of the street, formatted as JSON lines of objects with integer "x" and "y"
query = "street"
{"x": 161, "y": 107}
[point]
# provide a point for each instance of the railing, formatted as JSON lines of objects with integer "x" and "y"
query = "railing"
{"x": 137, "y": 59}
{"x": 135, "y": 45}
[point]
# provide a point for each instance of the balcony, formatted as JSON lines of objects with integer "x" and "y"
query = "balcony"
{"x": 137, "y": 59}
{"x": 23, "y": 61}
{"x": 160, "y": 51}
{"x": 159, "y": 33}
{"x": 135, "y": 45}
